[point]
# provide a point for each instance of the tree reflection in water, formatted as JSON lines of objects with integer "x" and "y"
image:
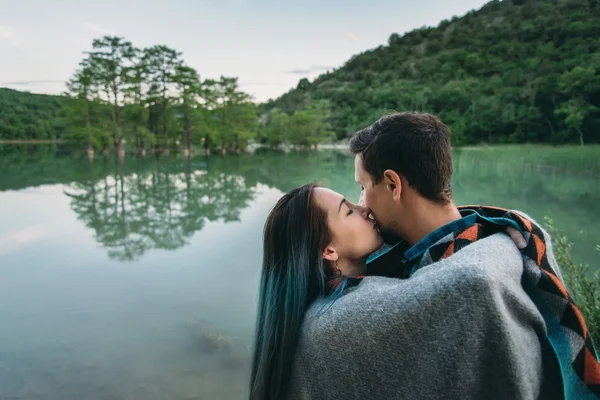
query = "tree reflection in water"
{"x": 159, "y": 203}
{"x": 158, "y": 207}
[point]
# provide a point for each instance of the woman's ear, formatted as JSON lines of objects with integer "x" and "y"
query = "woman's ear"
{"x": 330, "y": 254}
{"x": 393, "y": 183}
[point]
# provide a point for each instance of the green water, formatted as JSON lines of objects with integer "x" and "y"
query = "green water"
{"x": 139, "y": 281}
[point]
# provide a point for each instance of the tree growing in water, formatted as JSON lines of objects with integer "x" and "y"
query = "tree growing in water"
{"x": 112, "y": 57}
{"x": 162, "y": 63}
{"x": 82, "y": 87}
{"x": 188, "y": 85}
{"x": 86, "y": 110}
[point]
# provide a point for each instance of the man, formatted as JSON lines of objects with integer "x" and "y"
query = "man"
{"x": 403, "y": 163}
{"x": 397, "y": 148}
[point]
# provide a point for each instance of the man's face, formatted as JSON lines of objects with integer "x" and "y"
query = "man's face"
{"x": 376, "y": 198}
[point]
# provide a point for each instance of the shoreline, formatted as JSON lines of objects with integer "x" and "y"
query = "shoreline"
{"x": 344, "y": 145}
{"x": 47, "y": 141}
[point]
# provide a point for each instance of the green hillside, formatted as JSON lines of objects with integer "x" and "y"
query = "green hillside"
{"x": 27, "y": 116}
{"x": 513, "y": 71}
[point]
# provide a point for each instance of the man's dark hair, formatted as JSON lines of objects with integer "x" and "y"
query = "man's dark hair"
{"x": 415, "y": 145}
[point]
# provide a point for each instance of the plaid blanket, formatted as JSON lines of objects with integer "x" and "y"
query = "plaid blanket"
{"x": 566, "y": 328}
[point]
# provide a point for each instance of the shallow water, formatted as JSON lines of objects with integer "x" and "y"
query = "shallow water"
{"x": 139, "y": 281}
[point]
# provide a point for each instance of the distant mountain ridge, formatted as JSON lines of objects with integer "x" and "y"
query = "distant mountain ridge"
{"x": 512, "y": 71}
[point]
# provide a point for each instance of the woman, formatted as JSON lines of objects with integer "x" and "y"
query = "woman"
{"x": 322, "y": 335}
{"x": 313, "y": 238}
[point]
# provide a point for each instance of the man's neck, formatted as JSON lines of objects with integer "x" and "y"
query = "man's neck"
{"x": 426, "y": 218}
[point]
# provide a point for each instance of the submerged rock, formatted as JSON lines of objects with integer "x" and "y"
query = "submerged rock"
{"x": 208, "y": 337}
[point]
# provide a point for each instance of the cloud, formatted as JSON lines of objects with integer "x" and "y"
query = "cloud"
{"x": 26, "y": 236}
{"x": 9, "y": 36}
{"x": 98, "y": 29}
{"x": 36, "y": 82}
{"x": 310, "y": 70}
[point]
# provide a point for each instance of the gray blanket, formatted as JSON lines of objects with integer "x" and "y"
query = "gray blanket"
{"x": 462, "y": 328}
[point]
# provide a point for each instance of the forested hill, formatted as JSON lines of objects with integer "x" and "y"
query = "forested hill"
{"x": 513, "y": 71}
{"x": 30, "y": 116}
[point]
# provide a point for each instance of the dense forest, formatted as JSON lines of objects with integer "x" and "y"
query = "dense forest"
{"x": 514, "y": 71}
{"x": 28, "y": 116}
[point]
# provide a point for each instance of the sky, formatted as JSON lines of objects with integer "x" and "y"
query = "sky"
{"x": 268, "y": 44}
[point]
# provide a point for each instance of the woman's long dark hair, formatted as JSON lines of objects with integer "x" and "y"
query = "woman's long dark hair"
{"x": 292, "y": 277}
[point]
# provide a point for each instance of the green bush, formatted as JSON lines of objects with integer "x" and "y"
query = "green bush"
{"x": 582, "y": 282}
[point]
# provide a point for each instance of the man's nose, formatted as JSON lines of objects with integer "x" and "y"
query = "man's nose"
{"x": 361, "y": 200}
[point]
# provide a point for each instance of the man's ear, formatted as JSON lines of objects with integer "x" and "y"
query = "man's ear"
{"x": 330, "y": 254}
{"x": 392, "y": 183}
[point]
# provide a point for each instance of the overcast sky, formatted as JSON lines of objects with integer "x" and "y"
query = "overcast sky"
{"x": 268, "y": 44}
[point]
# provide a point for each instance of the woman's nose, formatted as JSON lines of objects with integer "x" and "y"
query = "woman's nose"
{"x": 364, "y": 211}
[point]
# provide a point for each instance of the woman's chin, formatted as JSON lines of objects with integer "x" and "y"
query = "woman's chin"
{"x": 378, "y": 242}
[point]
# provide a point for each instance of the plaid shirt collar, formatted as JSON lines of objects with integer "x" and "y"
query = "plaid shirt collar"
{"x": 411, "y": 255}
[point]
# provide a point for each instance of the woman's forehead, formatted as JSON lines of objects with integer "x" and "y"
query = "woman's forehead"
{"x": 327, "y": 198}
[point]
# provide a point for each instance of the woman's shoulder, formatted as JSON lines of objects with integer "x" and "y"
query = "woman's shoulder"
{"x": 374, "y": 298}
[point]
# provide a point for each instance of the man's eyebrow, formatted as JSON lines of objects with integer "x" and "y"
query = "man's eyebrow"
{"x": 341, "y": 202}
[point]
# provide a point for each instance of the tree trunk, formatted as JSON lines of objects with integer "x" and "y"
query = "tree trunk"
{"x": 550, "y": 125}
{"x": 104, "y": 148}
{"x": 186, "y": 136}
{"x": 88, "y": 125}
{"x": 206, "y": 146}
{"x": 164, "y": 110}
{"x": 580, "y": 136}
{"x": 120, "y": 148}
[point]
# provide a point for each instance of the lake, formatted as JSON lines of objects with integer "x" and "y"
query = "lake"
{"x": 139, "y": 281}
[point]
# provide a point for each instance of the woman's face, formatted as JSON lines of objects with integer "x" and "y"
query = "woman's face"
{"x": 354, "y": 234}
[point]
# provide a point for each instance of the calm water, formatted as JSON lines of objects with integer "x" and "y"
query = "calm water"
{"x": 139, "y": 281}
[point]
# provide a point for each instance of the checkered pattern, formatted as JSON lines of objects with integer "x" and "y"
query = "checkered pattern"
{"x": 423, "y": 245}
{"x": 566, "y": 328}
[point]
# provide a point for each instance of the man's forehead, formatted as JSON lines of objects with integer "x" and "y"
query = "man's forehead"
{"x": 358, "y": 168}
{"x": 357, "y": 162}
